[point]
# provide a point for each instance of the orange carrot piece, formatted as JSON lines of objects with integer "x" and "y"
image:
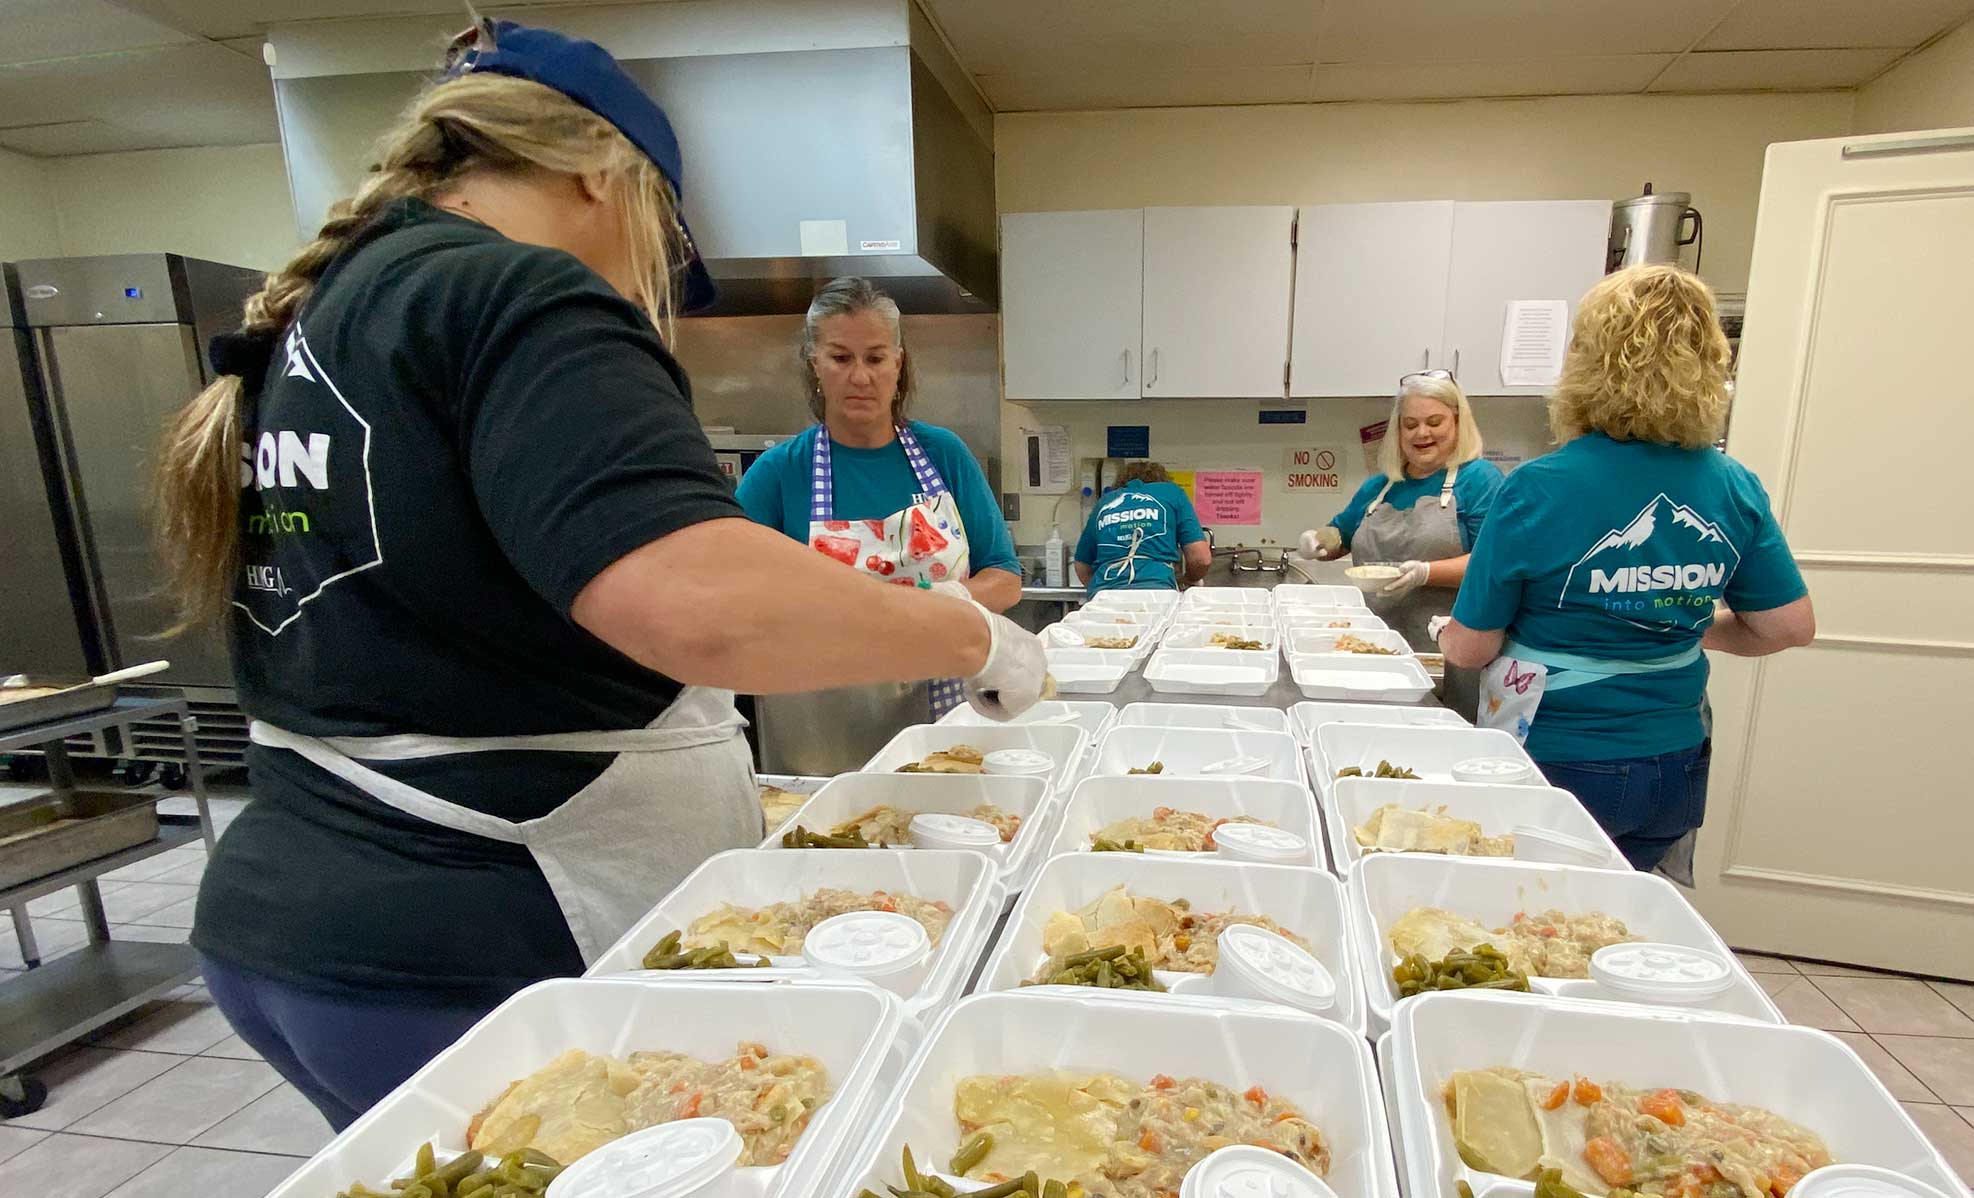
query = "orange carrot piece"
{"x": 1588, "y": 1092}
{"x": 1151, "y": 1143}
{"x": 1664, "y": 1105}
{"x": 1609, "y": 1159}
{"x": 1256, "y": 1095}
{"x": 689, "y": 1109}
{"x": 1162, "y": 1082}
{"x": 1557, "y": 1096}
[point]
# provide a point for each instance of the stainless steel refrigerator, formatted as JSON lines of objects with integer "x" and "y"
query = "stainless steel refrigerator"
{"x": 118, "y": 343}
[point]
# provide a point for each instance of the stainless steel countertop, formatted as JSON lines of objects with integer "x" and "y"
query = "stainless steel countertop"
{"x": 1053, "y": 594}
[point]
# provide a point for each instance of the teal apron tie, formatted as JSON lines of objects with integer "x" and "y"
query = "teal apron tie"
{"x": 1576, "y": 670}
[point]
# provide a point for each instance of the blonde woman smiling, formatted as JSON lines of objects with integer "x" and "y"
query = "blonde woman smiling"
{"x": 1608, "y": 565}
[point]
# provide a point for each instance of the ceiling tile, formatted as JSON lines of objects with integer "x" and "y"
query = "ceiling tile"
{"x": 1597, "y": 74}
{"x": 199, "y": 94}
{"x": 1772, "y": 70}
{"x": 63, "y": 138}
{"x": 1126, "y": 86}
{"x": 1383, "y": 31}
{"x": 239, "y": 18}
{"x": 1834, "y": 24}
{"x": 1013, "y": 37}
{"x": 36, "y": 29}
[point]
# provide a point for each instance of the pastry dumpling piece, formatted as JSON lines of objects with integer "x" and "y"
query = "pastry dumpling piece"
{"x": 1396, "y": 829}
{"x": 1433, "y": 932}
{"x": 1494, "y": 1123}
{"x": 567, "y": 1108}
{"x": 1064, "y": 935}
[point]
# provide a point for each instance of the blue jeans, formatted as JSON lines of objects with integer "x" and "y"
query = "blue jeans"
{"x": 342, "y": 1054}
{"x": 1645, "y": 803}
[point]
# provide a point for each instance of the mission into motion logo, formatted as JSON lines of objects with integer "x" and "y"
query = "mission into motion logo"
{"x": 1667, "y": 558}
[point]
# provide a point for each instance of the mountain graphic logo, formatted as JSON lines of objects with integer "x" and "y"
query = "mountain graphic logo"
{"x": 1689, "y": 553}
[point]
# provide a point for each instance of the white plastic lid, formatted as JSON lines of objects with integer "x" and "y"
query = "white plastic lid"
{"x": 1534, "y": 843}
{"x": 668, "y": 1160}
{"x": 935, "y": 830}
{"x": 1242, "y": 765}
{"x": 1063, "y": 634}
{"x": 1259, "y": 842}
{"x": 1500, "y": 770}
{"x": 867, "y": 944}
{"x": 1861, "y": 1181}
{"x": 1270, "y": 966}
{"x": 1667, "y": 973}
{"x": 1250, "y": 1171}
{"x": 1021, "y": 762}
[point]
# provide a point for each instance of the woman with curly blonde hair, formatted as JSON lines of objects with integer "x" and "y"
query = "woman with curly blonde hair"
{"x": 1607, "y": 566}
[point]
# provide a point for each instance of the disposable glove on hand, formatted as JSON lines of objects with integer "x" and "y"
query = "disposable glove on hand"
{"x": 1411, "y": 576}
{"x": 953, "y": 587}
{"x": 1319, "y": 544}
{"x": 1016, "y": 673}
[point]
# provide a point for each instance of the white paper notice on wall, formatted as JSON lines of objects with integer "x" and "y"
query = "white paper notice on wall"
{"x": 1045, "y": 463}
{"x": 1532, "y": 340}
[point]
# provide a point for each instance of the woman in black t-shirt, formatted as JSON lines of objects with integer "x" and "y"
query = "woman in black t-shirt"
{"x": 489, "y": 593}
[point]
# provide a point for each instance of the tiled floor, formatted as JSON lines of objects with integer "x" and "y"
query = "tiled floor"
{"x": 171, "y": 1102}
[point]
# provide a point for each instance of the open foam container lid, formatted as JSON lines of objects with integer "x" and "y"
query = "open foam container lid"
{"x": 1497, "y": 809}
{"x": 1099, "y": 801}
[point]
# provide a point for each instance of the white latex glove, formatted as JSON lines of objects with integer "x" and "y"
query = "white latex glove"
{"x": 1437, "y": 625}
{"x": 1412, "y": 576}
{"x": 1319, "y": 544}
{"x": 953, "y": 587}
{"x": 1016, "y": 672}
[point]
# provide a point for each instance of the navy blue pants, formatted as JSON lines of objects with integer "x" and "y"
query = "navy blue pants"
{"x": 1645, "y": 803}
{"x": 342, "y": 1054}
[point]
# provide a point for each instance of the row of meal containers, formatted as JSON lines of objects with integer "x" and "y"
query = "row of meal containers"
{"x": 1173, "y": 643}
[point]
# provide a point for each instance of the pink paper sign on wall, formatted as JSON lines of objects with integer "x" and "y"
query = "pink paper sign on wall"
{"x": 1227, "y": 496}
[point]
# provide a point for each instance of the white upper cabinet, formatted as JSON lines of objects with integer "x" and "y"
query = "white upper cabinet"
{"x": 1515, "y": 250}
{"x": 1217, "y": 284}
{"x": 1072, "y": 286}
{"x": 1370, "y": 296}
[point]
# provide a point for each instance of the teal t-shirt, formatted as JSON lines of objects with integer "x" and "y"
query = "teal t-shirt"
{"x": 1619, "y": 550}
{"x": 1473, "y": 494}
{"x": 1159, "y": 517}
{"x": 872, "y": 484}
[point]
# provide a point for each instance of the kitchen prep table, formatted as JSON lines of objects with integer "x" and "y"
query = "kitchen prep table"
{"x": 49, "y": 1005}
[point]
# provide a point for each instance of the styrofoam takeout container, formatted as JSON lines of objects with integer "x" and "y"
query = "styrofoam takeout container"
{"x": 1289, "y": 616}
{"x": 1089, "y": 671}
{"x": 948, "y": 794}
{"x": 849, "y": 1027}
{"x": 1200, "y": 636}
{"x": 1158, "y": 602}
{"x": 1246, "y": 673}
{"x": 1302, "y": 594}
{"x": 1306, "y": 717}
{"x": 964, "y": 881}
{"x": 1225, "y": 598}
{"x": 1092, "y": 716}
{"x": 1384, "y": 886}
{"x": 1203, "y": 715}
{"x": 1356, "y": 677}
{"x": 1497, "y": 809}
{"x": 1187, "y": 751}
{"x": 1322, "y": 1067}
{"x": 1427, "y": 751}
{"x": 1066, "y": 743}
{"x": 800, "y": 784}
{"x": 1324, "y": 640}
{"x": 1099, "y": 802}
{"x": 1306, "y": 902}
{"x": 1806, "y": 1076}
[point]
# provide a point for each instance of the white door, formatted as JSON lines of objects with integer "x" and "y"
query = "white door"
{"x": 1840, "y": 816}
{"x": 1217, "y": 295}
{"x": 1071, "y": 303}
{"x": 1514, "y": 250}
{"x": 1370, "y": 295}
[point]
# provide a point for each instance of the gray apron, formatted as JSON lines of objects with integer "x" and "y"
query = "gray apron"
{"x": 677, "y": 792}
{"x": 1428, "y": 532}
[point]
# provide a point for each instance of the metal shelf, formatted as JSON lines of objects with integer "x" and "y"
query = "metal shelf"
{"x": 74, "y": 995}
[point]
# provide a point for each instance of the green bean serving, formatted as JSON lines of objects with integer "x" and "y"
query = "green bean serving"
{"x": 520, "y": 1174}
{"x": 1550, "y": 1184}
{"x": 927, "y": 1185}
{"x": 666, "y": 954}
{"x": 1485, "y": 968}
{"x": 1385, "y": 770}
{"x": 800, "y": 837}
{"x": 1110, "y": 968}
{"x": 1156, "y": 767}
{"x": 1101, "y": 845}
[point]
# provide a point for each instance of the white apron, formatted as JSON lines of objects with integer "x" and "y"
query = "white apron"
{"x": 918, "y": 545}
{"x": 677, "y": 792}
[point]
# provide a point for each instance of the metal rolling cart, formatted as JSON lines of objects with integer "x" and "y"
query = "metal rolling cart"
{"x": 71, "y": 836}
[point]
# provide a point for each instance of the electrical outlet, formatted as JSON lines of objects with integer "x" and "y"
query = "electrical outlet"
{"x": 1011, "y": 505}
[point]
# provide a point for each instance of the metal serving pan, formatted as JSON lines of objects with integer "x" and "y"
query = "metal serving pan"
{"x": 53, "y": 832}
{"x": 29, "y": 699}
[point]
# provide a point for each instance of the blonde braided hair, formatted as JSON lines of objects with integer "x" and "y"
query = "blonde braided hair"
{"x": 475, "y": 123}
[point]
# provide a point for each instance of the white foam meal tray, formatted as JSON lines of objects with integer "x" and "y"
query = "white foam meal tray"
{"x": 1203, "y": 715}
{"x": 1355, "y": 677}
{"x": 1806, "y": 1076}
{"x": 1091, "y": 716}
{"x": 1427, "y": 751}
{"x": 1213, "y": 671}
{"x": 1185, "y": 752}
{"x": 1384, "y": 886}
{"x": 849, "y": 1027}
{"x": 1221, "y": 598}
{"x": 849, "y": 795}
{"x": 1291, "y": 594}
{"x": 1304, "y": 901}
{"x": 1324, "y": 640}
{"x": 1132, "y": 600}
{"x": 965, "y": 882}
{"x": 1320, "y": 1066}
{"x": 1089, "y": 671}
{"x": 1294, "y": 616}
{"x": 1146, "y": 634}
{"x": 1099, "y": 802}
{"x": 1064, "y": 743}
{"x": 1200, "y": 636}
{"x": 1497, "y": 809}
{"x": 1308, "y": 716}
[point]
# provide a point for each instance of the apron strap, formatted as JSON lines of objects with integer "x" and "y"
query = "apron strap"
{"x": 1446, "y": 490}
{"x": 1379, "y": 501}
{"x": 1128, "y": 564}
{"x": 929, "y": 480}
{"x": 384, "y": 788}
{"x": 1578, "y": 669}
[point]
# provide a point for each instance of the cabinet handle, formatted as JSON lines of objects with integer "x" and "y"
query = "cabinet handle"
{"x": 1125, "y": 358}
{"x": 1426, "y": 358}
{"x": 1153, "y": 380}
{"x": 1456, "y": 365}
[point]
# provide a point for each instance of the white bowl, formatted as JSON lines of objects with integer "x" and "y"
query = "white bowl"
{"x": 1372, "y": 578}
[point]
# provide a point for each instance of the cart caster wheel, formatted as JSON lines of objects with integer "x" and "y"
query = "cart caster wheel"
{"x": 136, "y": 773}
{"x": 172, "y": 777}
{"x": 32, "y": 1093}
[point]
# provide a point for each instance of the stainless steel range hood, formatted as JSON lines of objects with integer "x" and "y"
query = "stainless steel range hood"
{"x": 820, "y": 138}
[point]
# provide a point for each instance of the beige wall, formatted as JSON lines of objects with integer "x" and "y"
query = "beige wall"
{"x": 1934, "y": 89}
{"x": 226, "y": 203}
{"x": 1563, "y": 148}
{"x": 27, "y": 215}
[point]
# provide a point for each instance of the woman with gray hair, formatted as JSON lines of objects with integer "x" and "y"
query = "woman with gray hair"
{"x": 898, "y": 499}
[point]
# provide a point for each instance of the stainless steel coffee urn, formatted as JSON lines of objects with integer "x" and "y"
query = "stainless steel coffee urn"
{"x": 1652, "y": 228}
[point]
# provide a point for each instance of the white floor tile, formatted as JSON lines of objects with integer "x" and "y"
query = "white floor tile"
{"x": 279, "y": 1121}
{"x": 210, "y": 1173}
{"x": 134, "y": 900}
{"x": 15, "y": 1140}
{"x": 183, "y": 1027}
{"x": 87, "y": 1079}
{"x": 188, "y": 874}
{"x": 79, "y": 1166}
{"x": 178, "y": 915}
{"x": 68, "y": 900}
{"x": 234, "y": 1047}
{"x": 53, "y": 937}
{"x": 150, "y": 935}
{"x": 182, "y": 1102}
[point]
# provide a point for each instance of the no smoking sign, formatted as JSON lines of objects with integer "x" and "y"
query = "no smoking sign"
{"x": 1313, "y": 468}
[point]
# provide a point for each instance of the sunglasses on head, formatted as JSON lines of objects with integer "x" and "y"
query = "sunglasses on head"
{"x": 1406, "y": 380}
